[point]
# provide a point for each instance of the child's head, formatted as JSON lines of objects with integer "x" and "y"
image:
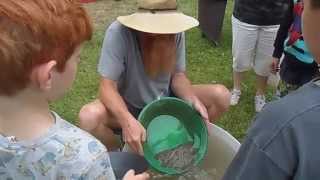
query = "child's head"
{"x": 311, "y": 26}
{"x": 40, "y": 42}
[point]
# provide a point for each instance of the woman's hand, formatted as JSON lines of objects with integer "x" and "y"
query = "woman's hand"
{"x": 200, "y": 107}
{"x": 275, "y": 65}
{"x": 134, "y": 134}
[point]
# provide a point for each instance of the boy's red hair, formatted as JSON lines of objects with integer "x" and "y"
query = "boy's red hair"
{"x": 33, "y": 32}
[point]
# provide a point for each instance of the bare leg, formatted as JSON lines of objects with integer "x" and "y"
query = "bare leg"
{"x": 95, "y": 119}
{"x": 237, "y": 79}
{"x": 261, "y": 84}
{"x": 216, "y": 98}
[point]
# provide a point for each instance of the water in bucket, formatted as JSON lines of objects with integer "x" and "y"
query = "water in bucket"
{"x": 194, "y": 173}
{"x": 181, "y": 159}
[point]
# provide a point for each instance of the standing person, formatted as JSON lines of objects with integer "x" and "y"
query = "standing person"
{"x": 283, "y": 142}
{"x": 40, "y": 45}
{"x": 254, "y": 28}
{"x": 142, "y": 58}
{"x": 298, "y": 66}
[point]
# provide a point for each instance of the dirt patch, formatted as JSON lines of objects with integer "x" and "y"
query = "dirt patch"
{"x": 103, "y": 12}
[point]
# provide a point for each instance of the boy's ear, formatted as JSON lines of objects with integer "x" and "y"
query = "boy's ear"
{"x": 41, "y": 75}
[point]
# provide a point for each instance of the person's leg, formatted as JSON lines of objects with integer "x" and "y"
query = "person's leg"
{"x": 262, "y": 62}
{"x": 95, "y": 119}
{"x": 237, "y": 79}
{"x": 261, "y": 84}
{"x": 216, "y": 98}
{"x": 244, "y": 38}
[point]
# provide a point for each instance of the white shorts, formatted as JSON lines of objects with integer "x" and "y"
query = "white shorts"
{"x": 252, "y": 47}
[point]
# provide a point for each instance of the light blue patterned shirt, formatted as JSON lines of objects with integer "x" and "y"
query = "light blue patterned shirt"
{"x": 65, "y": 152}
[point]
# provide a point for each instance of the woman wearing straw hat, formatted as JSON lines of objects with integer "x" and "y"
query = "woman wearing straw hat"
{"x": 143, "y": 58}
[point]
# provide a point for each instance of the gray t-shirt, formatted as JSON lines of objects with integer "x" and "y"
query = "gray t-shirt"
{"x": 283, "y": 142}
{"x": 64, "y": 152}
{"x": 121, "y": 61}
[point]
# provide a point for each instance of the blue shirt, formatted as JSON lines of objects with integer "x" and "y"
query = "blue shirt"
{"x": 283, "y": 142}
{"x": 65, "y": 152}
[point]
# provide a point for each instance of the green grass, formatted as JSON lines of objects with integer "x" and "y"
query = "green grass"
{"x": 206, "y": 64}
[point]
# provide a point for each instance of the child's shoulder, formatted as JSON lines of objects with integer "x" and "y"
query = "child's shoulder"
{"x": 76, "y": 139}
{"x": 77, "y": 150}
{"x": 65, "y": 152}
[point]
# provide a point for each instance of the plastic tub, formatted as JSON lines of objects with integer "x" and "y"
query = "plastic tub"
{"x": 222, "y": 147}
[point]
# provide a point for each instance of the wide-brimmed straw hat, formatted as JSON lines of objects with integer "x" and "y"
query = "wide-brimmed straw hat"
{"x": 158, "y": 17}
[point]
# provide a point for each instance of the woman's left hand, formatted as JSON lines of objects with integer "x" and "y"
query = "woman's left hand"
{"x": 200, "y": 107}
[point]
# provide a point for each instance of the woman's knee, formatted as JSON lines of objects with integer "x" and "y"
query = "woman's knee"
{"x": 222, "y": 96}
{"x": 92, "y": 115}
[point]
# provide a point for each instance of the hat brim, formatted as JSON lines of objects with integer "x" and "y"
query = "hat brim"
{"x": 159, "y": 22}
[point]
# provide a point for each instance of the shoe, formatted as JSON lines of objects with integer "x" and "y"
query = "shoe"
{"x": 259, "y": 102}
{"x": 235, "y": 96}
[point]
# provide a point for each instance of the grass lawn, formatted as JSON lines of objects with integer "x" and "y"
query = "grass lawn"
{"x": 206, "y": 64}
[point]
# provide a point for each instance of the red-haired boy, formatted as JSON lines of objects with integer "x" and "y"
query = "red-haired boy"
{"x": 40, "y": 44}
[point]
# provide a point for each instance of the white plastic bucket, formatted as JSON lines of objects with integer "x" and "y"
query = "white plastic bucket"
{"x": 222, "y": 147}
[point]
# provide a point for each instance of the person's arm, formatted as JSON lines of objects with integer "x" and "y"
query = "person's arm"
{"x": 111, "y": 66}
{"x": 269, "y": 151}
{"x": 180, "y": 84}
{"x": 182, "y": 88}
{"x": 252, "y": 163}
{"x": 110, "y": 97}
{"x": 283, "y": 31}
{"x": 281, "y": 37}
{"x": 134, "y": 133}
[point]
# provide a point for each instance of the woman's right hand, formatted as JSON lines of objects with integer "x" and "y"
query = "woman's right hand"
{"x": 275, "y": 65}
{"x": 130, "y": 175}
{"x": 134, "y": 134}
